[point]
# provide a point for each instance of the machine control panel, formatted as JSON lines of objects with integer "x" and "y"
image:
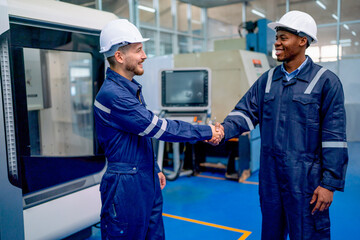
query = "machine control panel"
{"x": 193, "y": 118}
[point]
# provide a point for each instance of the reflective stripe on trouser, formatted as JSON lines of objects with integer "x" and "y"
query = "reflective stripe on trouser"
{"x": 132, "y": 203}
{"x": 286, "y": 207}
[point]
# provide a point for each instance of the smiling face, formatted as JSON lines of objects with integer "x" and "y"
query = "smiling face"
{"x": 134, "y": 58}
{"x": 130, "y": 60}
{"x": 289, "y": 46}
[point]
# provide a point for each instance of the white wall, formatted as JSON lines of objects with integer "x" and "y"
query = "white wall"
{"x": 349, "y": 74}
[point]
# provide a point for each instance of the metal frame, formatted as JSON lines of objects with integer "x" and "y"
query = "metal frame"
{"x": 134, "y": 18}
{"x": 15, "y": 221}
{"x": 338, "y": 37}
{"x": 11, "y": 211}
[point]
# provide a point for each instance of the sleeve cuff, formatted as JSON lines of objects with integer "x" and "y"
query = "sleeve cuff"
{"x": 328, "y": 187}
{"x": 205, "y": 132}
{"x": 333, "y": 184}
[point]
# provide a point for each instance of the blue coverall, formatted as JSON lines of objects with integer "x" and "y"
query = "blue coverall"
{"x": 130, "y": 189}
{"x": 303, "y": 146}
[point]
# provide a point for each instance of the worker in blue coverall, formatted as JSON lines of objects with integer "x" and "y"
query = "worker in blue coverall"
{"x": 299, "y": 107}
{"x": 131, "y": 186}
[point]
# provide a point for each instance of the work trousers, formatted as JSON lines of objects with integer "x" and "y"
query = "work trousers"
{"x": 131, "y": 203}
{"x": 286, "y": 186}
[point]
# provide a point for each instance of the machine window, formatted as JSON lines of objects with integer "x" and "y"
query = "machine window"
{"x": 59, "y": 101}
{"x": 56, "y": 71}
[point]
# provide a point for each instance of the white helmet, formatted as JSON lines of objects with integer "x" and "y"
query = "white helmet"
{"x": 299, "y": 21}
{"x": 117, "y": 33}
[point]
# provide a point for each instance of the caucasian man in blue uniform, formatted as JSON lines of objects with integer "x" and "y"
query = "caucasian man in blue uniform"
{"x": 131, "y": 186}
{"x": 300, "y": 109}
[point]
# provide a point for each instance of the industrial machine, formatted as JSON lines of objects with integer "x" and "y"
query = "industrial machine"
{"x": 50, "y": 162}
{"x": 232, "y": 74}
{"x": 261, "y": 41}
{"x": 185, "y": 94}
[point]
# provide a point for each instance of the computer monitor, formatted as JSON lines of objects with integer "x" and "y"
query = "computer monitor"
{"x": 185, "y": 89}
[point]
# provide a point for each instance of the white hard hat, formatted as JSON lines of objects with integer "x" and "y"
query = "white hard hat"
{"x": 117, "y": 33}
{"x": 299, "y": 21}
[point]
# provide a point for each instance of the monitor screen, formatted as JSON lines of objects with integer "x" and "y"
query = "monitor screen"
{"x": 185, "y": 88}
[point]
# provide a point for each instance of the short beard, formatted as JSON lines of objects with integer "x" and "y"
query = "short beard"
{"x": 139, "y": 72}
{"x": 135, "y": 70}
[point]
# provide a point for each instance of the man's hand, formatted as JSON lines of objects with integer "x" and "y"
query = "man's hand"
{"x": 217, "y": 134}
{"x": 162, "y": 180}
{"x": 323, "y": 198}
{"x": 219, "y": 127}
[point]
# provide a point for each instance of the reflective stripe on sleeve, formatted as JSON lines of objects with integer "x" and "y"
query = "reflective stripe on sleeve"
{"x": 314, "y": 81}
{"x": 334, "y": 144}
{"x": 150, "y": 127}
{"x": 102, "y": 107}
{"x": 162, "y": 129}
{"x": 247, "y": 119}
{"x": 269, "y": 80}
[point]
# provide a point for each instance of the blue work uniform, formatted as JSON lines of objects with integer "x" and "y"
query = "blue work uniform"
{"x": 130, "y": 189}
{"x": 303, "y": 146}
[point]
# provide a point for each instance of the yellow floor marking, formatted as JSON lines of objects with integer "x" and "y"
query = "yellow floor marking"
{"x": 248, "y": 182}
{"x": 220, "y": 178}
{"x": 243, "y": 237}
{"x": 217, "y": 178}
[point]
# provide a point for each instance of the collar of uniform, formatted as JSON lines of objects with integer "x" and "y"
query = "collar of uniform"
{"x": 133, "y": 86}
{"x": 304, "y": 72}
{"x": 278, "y": 74}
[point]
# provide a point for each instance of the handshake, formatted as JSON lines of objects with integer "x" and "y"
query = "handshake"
{"x": 217, "y": 134}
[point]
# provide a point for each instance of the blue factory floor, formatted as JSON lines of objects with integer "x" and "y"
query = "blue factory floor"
{"x": 212, "y": 208}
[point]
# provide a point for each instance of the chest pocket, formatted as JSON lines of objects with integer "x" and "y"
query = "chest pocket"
{"x": 305, "y": 108}
{"x": 268, "y": 108}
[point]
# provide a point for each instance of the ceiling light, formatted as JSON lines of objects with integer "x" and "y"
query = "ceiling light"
{"x": 342, "y": 41}
{"x": 335, "y": 17}
{"x": 257, "y": 13}
{"x": 345, "y": 41}
{"x": 346, "y": 27}
{"x": 148, "y": 9}
{"x": 353, "y": 33}
{"x": 321, "y": 4}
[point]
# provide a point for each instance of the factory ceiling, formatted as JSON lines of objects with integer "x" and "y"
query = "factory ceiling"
{"x": 213, "y": 3}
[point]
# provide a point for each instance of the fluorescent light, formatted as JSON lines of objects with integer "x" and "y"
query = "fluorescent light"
{"x": 356, "y": 43}
{"x": 342, "y": 41}
{"x": 335, "y": 17}
{"x": 257, "y": 13}
{"x": 321, "y": 4}
{"x": 148, "y": 9}
{"x": 353, "y": 33}
{"x": 346, "y": 27}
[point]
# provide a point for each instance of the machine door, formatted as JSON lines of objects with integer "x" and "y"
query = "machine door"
{"x": 56, "y": 74}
